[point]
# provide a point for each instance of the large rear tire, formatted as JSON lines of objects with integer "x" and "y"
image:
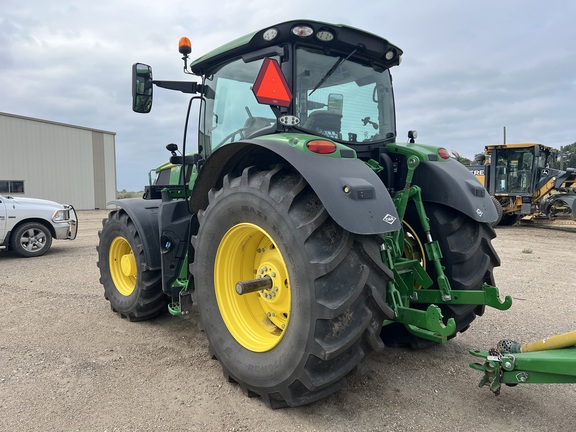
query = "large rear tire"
{"x": 134, "y": 292}
{"x": 296, "y": 342}
{"x": 468, "y": 259}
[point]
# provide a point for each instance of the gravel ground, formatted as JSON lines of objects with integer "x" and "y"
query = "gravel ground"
{"x": 68, "y": 363}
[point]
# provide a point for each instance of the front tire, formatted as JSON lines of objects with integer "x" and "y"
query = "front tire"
{"x": 499, "y": 212}
{"x": 509, "y": 219}
{"x": 31, "y": 239}
{"x": 468, "y": 260}
{"x": 134, "y": 291}
{"x": 296, "y": 342}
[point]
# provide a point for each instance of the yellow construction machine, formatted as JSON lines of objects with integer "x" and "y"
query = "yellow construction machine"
{"x": 522, "y": 183}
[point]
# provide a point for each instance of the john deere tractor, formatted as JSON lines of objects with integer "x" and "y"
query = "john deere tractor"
{"x": 303, "y": 232}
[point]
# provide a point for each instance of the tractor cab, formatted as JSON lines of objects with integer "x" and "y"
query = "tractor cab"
{"x": 327, "y": 81}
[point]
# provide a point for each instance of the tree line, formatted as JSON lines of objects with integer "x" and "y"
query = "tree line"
{"x": 567, "y": 156}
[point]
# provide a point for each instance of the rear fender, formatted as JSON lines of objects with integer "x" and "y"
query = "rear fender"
{"x": 366, "y": 207}
{"x": 144, "y": 214}
{"x": 450, "y": 183}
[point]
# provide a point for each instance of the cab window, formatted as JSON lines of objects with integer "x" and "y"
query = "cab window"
{"x": 232, "y": 112}
{"x": 352, "y": 103}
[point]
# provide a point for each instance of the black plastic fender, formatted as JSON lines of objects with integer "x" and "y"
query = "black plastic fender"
{"x": 174, "y": 220}
{"x": 144, "y": 214}
{"x": 452, "y": 184}
{"x": 350, "y": 191}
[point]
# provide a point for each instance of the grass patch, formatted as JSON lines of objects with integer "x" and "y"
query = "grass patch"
{"x": 124, "y": 194}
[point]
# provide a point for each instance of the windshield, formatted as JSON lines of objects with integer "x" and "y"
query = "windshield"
{"x": 514, "y": 170}
{"x": 354, "y": 103}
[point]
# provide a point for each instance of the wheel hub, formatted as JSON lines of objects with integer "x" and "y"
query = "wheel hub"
{"x": 34, "y": 239}
{"x": 128, "y": 265}
{"x": 273, "y": 299}
{"x": 257, "y": 318}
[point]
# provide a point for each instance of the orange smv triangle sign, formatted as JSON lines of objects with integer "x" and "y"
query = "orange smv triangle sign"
{"x": 271, "y": 87}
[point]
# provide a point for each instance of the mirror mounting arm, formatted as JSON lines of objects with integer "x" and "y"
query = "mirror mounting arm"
{"x": 183, "y": 86}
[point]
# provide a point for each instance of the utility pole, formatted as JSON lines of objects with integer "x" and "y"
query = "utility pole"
{"x": 504, "y": 134}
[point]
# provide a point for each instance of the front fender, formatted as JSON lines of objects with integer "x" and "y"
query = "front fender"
{"x": 350, "y": 191}
{"x": 452, "y": 184}
{"x": 144, "y": 214}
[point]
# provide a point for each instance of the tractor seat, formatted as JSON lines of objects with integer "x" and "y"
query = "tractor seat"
{"x": 324, "y": 123}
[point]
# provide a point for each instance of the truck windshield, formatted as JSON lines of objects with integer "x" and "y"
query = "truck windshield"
{"x": 354, "y": 104}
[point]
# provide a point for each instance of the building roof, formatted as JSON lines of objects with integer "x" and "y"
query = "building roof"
{"x": 55, "y": 123}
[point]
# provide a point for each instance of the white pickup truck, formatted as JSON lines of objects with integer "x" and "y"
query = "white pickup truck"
{"x": 28, "y": 225}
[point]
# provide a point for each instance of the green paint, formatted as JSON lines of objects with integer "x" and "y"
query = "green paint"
{"x": 539, "y": 367}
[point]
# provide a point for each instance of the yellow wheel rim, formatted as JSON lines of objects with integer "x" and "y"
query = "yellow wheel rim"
{"x": 259, "y": 319}
{"x": 122, "y": 266}
{"x": 413, "y": 247}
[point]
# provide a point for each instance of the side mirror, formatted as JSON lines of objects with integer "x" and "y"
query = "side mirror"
{"x": 172, "y": 148}
{"x": 141, "y": 88}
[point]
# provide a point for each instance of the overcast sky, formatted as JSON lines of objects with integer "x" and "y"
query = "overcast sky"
{"x": 469, "y": 67}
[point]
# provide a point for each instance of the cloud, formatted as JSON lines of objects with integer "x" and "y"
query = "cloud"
{"x": 468, "y": 70}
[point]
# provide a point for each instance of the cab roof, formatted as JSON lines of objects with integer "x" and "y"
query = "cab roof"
{"x": 371, "y": 47}
{"x": 517, "y": 146}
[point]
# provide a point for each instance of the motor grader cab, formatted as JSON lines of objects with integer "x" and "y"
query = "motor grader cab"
{"x": 522, "y": 182}
{"x": 303, "y": 232}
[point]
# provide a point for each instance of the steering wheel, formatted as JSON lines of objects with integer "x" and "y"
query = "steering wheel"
{"x": 242, "y": 131}
{"x": 239, "y": 131}
{"x": 232, "y": 135}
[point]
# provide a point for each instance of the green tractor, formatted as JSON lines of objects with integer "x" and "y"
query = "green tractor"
{"x": 304, "y": 233}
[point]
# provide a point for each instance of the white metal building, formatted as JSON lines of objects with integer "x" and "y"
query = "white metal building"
{"x": 60, "y": 162}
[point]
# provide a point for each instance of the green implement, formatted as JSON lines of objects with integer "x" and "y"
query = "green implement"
{"x": 549, "y": 361}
